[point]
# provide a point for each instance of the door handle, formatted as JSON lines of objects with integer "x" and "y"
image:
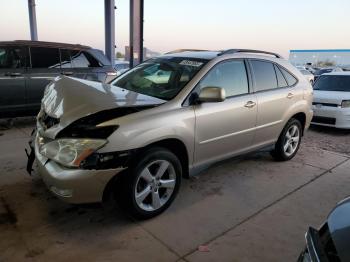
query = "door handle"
{"x": 250, "y": 104}
{"x": 13, "y": 74}
{"x": 290, "y": 95}
{"x": 67, "y": 73}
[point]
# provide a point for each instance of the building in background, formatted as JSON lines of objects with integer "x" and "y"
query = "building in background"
{"x": 321, "y": 57}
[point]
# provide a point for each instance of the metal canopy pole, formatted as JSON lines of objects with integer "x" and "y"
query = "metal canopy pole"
{"x": 136, "y": 32}
{"x": 110, "y": 30}
{"x": 32, "y": 20}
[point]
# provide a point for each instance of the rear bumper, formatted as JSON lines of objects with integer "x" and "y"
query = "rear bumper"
{"x": 73, "y": 185}
{"x": 332, "y": 116}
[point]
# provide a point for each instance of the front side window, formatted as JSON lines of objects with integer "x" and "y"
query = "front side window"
{"x": 11, "y": 57}
{"x": 230, "y": 75}
{"x": 333, "y": 83}
{"x": 161, "y": 77}
{"x": 44, "y": 57}
{"x": 264, "y": 74}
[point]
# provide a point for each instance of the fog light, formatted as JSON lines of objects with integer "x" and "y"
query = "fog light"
{"x": 62, "y": 192}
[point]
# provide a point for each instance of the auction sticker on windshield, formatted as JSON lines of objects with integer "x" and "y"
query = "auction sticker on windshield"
{"x": 191, "y": 63}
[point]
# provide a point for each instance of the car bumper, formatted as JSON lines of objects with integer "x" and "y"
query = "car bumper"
{"x": 73, "y": 185}
{"x": 331, "y": 116}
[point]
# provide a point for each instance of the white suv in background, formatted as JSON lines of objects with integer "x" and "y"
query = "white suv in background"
{"x": 331, "y": 103}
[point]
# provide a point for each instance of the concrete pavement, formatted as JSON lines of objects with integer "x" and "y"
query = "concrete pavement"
{"x": 246, "y": 209}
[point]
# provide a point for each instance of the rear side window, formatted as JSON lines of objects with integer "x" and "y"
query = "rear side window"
{"x": 82, "y": 59}
{"x": 291, "y": 80}
{"x": 11, "y": 57}
{"x": 230, "y": 75}
{"x": 44, "y": 57}
{"x": 264, "y": 74}
{"x": 281, "y": 81}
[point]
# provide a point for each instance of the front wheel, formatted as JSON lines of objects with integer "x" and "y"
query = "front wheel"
{"x": 289, "y": 141}
{"x": 151, "y": 186}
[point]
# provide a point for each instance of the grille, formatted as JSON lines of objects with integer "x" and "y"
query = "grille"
{"x": 323, "y": 120}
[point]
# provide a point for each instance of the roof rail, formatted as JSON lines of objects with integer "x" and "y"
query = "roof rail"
{"x": 232, "y": 51}
{"x": 45, "y": 44}
{"x": 185, "y": 50}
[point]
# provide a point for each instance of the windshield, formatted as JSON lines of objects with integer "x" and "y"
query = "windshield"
{"x": 333, "y": 83}
{"x": 160, "y": 77}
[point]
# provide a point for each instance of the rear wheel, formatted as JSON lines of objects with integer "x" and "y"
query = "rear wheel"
{"x": 151, "y": 186}
{"x": 289, "y": 141}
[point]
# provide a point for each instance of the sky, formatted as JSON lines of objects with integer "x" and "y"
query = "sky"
{"x": 273, "y": 25}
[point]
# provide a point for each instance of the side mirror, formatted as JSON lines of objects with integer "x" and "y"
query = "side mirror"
{"x": 212, "y": 94}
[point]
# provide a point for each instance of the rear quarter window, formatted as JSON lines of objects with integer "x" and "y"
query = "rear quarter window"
{"x": 82, "y": 59}
{"x": 291, "y": 80}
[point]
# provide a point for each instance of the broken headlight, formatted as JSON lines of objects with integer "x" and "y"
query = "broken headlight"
{"x": 71, "y": 152}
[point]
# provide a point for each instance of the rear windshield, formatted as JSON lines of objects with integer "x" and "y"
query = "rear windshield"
{"x": 161, "y": 77}
{"x": 333, "y": 83}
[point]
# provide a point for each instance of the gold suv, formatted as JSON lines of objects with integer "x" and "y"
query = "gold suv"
{"x": 165, "y": 119}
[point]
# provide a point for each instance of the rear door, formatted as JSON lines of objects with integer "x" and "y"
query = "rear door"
{"x": 12, "y": 79}
{"x": 45, "y": 66}
{"x": 228, "y": 127}
{"x": 275, "y": 92}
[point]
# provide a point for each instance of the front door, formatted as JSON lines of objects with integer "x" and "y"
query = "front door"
{"x": 12, "y": 81}
{"x": 225, "y": 128}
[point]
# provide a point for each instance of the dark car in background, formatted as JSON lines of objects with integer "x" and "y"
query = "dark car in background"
{"x": 26, "y": 67}
{"x": 330, "y": 243}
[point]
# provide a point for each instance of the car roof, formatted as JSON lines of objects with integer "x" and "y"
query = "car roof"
{"x": 344, "y": 73}
{"x": 46, "y": 44}
{"x": 209, "y": 55}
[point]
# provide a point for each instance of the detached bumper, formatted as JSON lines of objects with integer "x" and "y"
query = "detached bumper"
{"x": 73, "y": 185}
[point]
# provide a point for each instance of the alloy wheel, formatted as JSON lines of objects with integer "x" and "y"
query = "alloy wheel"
{"x": 155, "y": 185}
{"x": 291, "y": 140}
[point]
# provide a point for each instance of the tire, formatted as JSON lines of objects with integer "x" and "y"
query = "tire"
{"x": 282, "y": 151}
{"x": 144, "y": 190}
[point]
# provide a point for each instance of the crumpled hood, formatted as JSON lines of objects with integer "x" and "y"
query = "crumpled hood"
{"x": 69, "y": 99}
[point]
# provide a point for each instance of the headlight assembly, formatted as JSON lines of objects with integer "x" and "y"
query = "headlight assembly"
{"x": 71, "y": 152}
{"x": 345, "y": 103}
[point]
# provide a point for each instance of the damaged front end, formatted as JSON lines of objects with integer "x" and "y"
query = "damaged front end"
{"x": 85, "y": 129}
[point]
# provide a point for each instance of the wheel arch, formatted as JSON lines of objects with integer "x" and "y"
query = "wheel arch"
{"x": 174, "y": 145}
{"x": 177, "y": 147}
{"x": 301, "y": 116}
